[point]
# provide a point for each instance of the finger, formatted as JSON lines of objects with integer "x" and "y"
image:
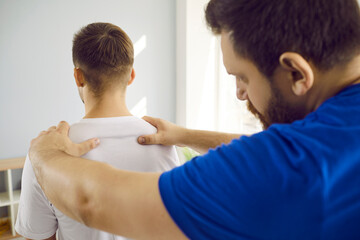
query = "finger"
{"x": 42, "y": 133}
{"x": 151, "y": 120}
{"x": 149, "y": 139}
{"x": 84, "y": 147}
{"x": 32, "y": 141}
{"x": 63, "y": 127}
{"x": 51, "y": 128}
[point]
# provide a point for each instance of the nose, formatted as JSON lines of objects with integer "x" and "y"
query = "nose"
{"x": 241, "y": 92}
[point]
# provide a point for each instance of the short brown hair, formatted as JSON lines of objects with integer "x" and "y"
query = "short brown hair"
{"x": 326, "y": 32}
{"x": 105, "y": 54}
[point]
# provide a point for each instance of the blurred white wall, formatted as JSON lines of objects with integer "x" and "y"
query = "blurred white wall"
{"x": 197, "y": 53}
{"x": 37, "y": 88}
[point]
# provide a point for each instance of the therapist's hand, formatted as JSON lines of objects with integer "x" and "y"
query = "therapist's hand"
{"x": 171, "y": 134}
{"x": 167, "y": 133}
{"x": 56, "y": 139}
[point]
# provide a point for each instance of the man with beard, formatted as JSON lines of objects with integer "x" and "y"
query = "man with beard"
{"x": 297, "y": 63}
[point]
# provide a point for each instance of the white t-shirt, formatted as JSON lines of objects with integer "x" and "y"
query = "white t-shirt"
{"x": 39, "y": 219}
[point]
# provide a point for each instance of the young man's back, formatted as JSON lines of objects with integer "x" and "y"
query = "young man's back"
{"x": 103, "y": 57}
{"x": 39, "y": 219}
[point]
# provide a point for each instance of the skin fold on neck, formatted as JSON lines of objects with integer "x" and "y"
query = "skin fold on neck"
{"x": 329, "y": 83}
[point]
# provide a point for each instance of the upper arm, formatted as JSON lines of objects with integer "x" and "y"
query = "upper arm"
{"x": 36, "y": 218}
{"x": 131, "y": 206}
{"x": 53, "y": 237}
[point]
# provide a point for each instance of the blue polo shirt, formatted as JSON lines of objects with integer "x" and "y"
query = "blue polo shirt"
{"x": 292, "y": 181}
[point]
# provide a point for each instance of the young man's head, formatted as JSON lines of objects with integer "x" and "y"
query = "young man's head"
{"x": 276, "y": 48}
{"x": 103, "y": 57}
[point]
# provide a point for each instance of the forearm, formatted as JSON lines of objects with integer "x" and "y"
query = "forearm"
{"x": 202, "y": 141}
{"x": 171, "y": 134}
{"x": 61, "y": 177}
{"x": 100, "y": 196}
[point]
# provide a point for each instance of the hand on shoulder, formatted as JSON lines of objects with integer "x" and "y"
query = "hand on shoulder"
{"x": 167, "y": 133}
{"x": 56, "y": 139}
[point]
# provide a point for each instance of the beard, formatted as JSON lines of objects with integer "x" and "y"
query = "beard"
{"x": 278, "y": 110}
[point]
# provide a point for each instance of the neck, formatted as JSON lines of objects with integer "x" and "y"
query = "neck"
{"x": 110, "y": 104}
{"x": 330, "y": 83}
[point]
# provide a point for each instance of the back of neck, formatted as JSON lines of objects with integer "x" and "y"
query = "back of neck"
{"x": 108, "y": 105}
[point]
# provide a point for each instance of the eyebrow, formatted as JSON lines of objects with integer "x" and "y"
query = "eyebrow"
{"x": 244, "y": 79}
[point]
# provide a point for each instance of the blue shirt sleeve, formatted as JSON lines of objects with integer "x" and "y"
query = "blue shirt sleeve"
{"x": 245, "y": 190}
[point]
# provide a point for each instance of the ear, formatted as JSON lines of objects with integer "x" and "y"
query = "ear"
{"x": 79, "y": 77}
{"x": 132, "y": 77}
{"x": 301, "y": 73}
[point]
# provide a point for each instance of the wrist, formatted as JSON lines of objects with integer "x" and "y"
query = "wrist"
{"x": 39, "y": 158}
{"x": 184, "y": 137}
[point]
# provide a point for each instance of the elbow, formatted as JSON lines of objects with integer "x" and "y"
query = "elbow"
{"x": 85, "y": 209}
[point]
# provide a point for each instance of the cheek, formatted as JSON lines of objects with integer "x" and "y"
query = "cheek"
{"x": 259, "y": 97}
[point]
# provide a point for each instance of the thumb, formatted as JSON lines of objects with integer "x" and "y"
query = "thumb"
{"x": 151, "y": 120}
{"x": 148, "y": 139}
{"x": 84, "y": 147}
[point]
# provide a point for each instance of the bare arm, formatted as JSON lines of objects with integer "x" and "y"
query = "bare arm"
{"x": 96, "y": 194}
{"x": 201, "y": 141}
{"x": 171, "y": 134}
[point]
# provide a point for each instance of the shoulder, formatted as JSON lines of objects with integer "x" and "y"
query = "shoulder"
{"x": 267, "y": 158}
{"x": 144, "y": 126}
{"x": 249, "y": 174}
{"x": 119, "y": 126}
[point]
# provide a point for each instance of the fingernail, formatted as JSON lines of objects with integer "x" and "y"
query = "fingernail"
{"x": 97, "y": 142}
{"x": 142, "y": 140}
